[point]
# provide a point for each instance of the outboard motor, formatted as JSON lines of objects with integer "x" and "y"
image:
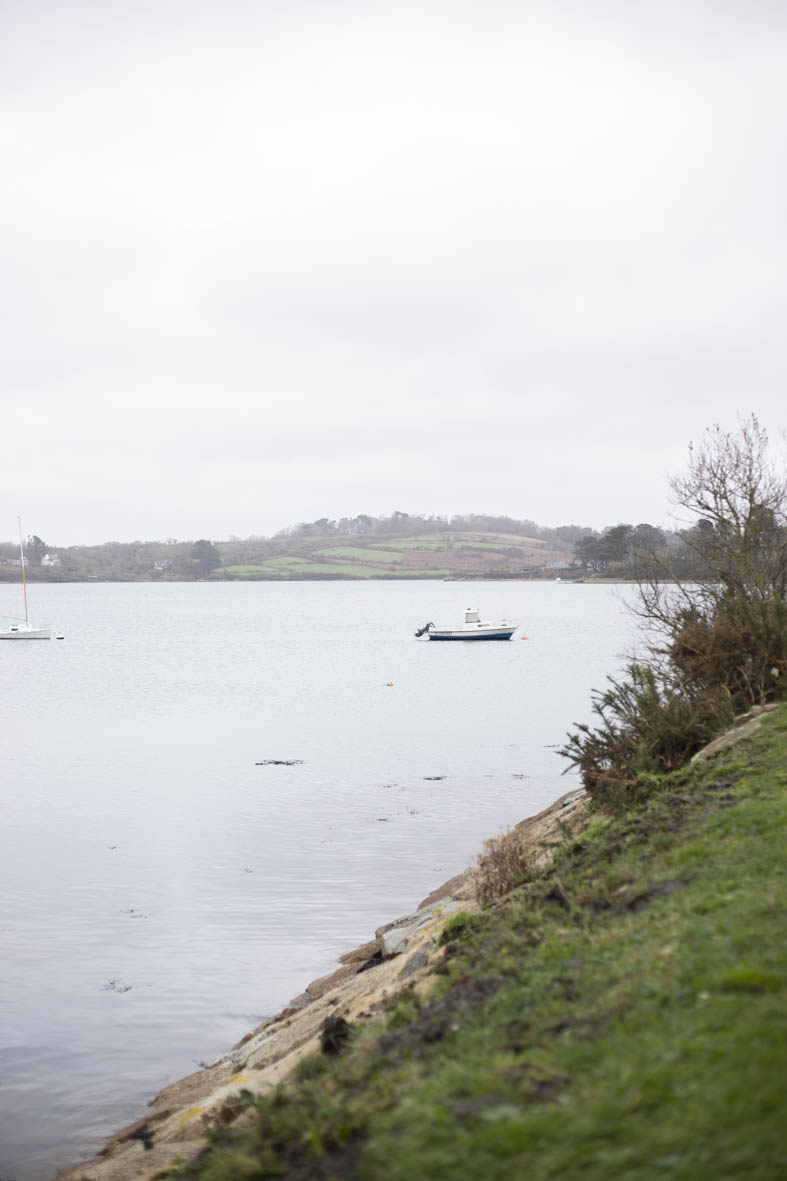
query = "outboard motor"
{"x": 423, "y": 630}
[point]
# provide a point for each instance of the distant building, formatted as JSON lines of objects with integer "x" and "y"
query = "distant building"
{"x": 51, "y": 560}
{"x": 163, "y": 564}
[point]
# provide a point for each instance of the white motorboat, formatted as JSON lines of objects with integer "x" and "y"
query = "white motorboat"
{"x": 22, "y": 629}
{"x": 473, "y": 628}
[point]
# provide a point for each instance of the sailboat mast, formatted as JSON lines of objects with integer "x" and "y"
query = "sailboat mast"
{"x": 24, "y": 580}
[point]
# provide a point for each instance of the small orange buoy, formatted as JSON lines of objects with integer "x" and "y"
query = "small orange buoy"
{"x": 524, "y": 637}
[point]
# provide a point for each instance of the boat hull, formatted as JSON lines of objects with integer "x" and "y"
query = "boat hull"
{"x": 496, "y": 634}
{"x": 27, "y": 633}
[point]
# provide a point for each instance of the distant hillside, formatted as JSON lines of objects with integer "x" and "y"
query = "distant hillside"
{"x": 427, "y": 556}
{"x": 398, "y": 546}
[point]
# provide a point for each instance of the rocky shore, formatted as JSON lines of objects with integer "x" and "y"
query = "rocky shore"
{"x": 402, "y": 953}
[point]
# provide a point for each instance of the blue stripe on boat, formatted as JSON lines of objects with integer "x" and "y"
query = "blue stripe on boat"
{"x": 464, "y": 639}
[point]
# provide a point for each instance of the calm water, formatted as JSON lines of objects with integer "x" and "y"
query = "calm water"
{"x": 160, "y": 893}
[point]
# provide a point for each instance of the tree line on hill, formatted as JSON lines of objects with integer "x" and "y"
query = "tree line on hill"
{"x": 400, "y": 524}
{"x": 637, "y": 551}
{"x": 114, "y": 561}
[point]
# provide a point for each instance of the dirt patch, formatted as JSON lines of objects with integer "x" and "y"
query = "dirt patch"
{"x": 334, "y": 1035}
{"x": 585, "y": 1028}
{"x": 442, "y": 1016}
{"x": 670, "y": 813}
{"x": 653, "y": 893}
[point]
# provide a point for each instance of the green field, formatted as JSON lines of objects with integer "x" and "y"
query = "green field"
{"x": 359, "y": 571}
{"x": 491, "y": 545}
{"x": 352, "y": 571}
{"x": 417, "y": 543}
{"x": 367, "y": 555}
{"x": 255, "y": 569}
{"x": 304, "y": 567}
{"x": 492, "y": 541}
{"x": 269, "y": 566}
{"x": 286, "y": 560}
{"x": 466, "y": 554}
{"x": 621, "y": 1016}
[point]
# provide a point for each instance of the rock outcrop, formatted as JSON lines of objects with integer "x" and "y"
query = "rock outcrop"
{"x": 744, "y": 727}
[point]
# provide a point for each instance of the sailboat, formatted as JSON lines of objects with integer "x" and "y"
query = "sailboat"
{"x": 22, "y": 629}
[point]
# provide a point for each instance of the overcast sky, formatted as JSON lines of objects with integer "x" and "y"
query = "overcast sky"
{"x": 269, "y": 261}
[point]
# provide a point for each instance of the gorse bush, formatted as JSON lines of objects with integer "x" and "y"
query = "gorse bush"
{"x": 740, "y": 646}
{"x": 714, "y": 647}
{"x": 645, "y": 727}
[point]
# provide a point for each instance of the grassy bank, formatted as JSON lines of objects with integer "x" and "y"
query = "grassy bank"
{"x": 621, "y": 1015}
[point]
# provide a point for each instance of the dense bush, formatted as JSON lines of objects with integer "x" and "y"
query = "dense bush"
{"x": 644, "y": 727}
{"x": 739, "y": 646}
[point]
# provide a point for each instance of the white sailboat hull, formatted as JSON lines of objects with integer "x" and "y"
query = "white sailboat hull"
{"x": 26, "y": 633}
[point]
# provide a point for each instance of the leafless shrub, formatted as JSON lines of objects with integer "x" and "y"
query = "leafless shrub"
{"x": 503, "y": 863}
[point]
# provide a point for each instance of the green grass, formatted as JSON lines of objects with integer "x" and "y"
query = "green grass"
{"x": 268, "y": 564}
{"x": 244, "y": 569}
{"x": 369, "y": 555}
{"x": 620, "y": 1016}
{"x": 294, "y": 567}
{"x": 285, "y": 560}
{"x": 352, "y": 571}
{"x": 498, "y": 546}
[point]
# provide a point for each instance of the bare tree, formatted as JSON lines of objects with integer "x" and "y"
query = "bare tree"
{"x": 727, "y": 627}
{"x": 735, "y": 489}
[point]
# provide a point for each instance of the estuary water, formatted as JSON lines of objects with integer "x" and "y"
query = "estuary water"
{"x": 160, "y": 892}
